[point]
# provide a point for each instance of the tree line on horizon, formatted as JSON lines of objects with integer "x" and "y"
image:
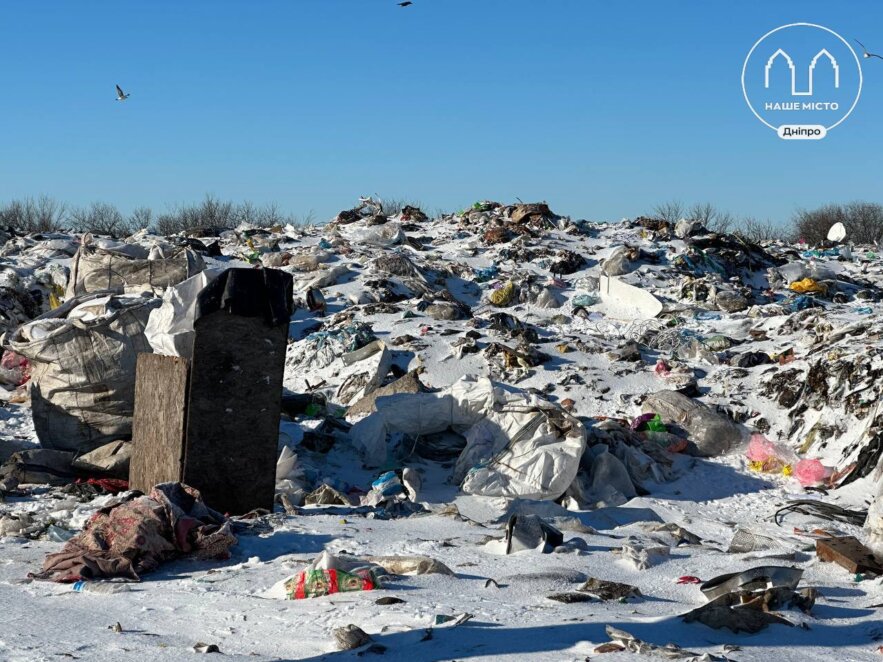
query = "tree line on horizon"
{"x": 863, "y": 220}
{"x": 46, "y": 214}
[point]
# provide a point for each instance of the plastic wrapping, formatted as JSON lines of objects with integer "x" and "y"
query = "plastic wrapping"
{"x": 326, "y": 575}
{"x": 515, "y": 446}
{"x": 711, "y": 434}
{"x": 365, "y": 370}
{"x": 610, "y": 478}
{"x": 618, "y": 263}
{"x": 382, "y": 236}
{"x": 170, "y": 327}
{"x": 811, "y": 472}
{"x": 769, "y": 457}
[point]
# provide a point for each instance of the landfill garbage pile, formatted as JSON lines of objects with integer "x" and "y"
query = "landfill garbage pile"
{"x": 498, "y": 416}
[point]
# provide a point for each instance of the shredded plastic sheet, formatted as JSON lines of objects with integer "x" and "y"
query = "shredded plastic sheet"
{"x": 515, "y": 445}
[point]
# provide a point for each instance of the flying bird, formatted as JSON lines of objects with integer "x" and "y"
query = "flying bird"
{"x": 407, "y": 3}
{"x": 121, "y": 96}
{"x": 867, "y": 54}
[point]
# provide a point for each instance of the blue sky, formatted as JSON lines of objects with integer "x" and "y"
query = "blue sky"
{"x": 601, "y": 108}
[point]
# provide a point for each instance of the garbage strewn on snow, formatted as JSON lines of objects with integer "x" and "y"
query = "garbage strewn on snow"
{"x": 501, "y": 410}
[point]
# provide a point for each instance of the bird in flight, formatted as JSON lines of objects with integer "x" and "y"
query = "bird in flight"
{"x": 121, "y": 96}
{"x": 867, "y": 54}
{"x": 407, "y": 3}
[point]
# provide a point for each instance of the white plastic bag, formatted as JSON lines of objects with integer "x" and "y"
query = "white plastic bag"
{"x": 170, "y": 327}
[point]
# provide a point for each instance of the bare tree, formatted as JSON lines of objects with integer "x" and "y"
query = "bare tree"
{"x": 247, "y": 212}
{"x": 269, "y": 216}
{"x": 210, "y": 213}
{"x": 167, "y": 223}
{"x": 863, "y": 222}
{"x": 101, "y": 218}
{"x": 704, "y": 212}
{"x": 12, "y": 215}
{"x": 266, "y": 216}
{"x": 140, "y": 218}
{"x": 308, "y": 219}
{"x": 812, "y": 225}
{"x": 216, "y": 213}
{"x": 711, "y": 217}
{"x": 757, "y": 231}
{"x": 723, "y": 223}
{"x": 47, "y": 214}
{"x": 671, "y": 211}
{"x": 43, "y": 214}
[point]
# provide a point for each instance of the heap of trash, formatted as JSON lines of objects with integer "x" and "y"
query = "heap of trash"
{"x": 555, "y": 396}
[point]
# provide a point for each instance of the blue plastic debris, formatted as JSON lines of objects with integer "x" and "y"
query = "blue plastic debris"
{"x": 583, "y": 300}
{"x": 483, "y": 274}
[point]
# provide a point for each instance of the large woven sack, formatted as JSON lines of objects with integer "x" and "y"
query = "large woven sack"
{"x": 83, "y": 368}
{"x": 95, "y": 269}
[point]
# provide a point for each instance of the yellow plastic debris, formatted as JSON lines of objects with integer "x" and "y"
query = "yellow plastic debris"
{"x": 56, "y": 292}
{"x": 504, "y": 295}
{"x": 808, "y": 286}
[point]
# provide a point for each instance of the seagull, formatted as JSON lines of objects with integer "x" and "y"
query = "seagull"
{"x": 121, "y": 96}
{"x": 867, "y": 54}
{"x": 407, "y": 3}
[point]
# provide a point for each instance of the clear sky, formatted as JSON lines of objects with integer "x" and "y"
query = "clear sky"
{"x": 601, "y": 108}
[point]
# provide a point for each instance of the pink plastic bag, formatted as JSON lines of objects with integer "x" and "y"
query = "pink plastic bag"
{"x": 760, "y": 449}
{"x": 811, "y": 472}
{"x": 769, "y": 457}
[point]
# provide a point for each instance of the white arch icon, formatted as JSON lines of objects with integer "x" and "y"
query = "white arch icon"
{"x": 812, "y": 66}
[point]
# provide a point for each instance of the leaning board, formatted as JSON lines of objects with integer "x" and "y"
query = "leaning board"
{"x": 161, "y": 385}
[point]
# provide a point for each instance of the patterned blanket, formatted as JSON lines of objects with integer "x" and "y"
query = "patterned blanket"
{"x": 136, "y": 536}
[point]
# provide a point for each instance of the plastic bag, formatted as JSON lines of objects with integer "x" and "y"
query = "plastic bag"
{"x": 811, "y": 472}
{"x": 382, "y": 236}
{"x": 711, "y": 433}
{"x": 303, "y": 263}
{"x": 325, "y": 576}
{"x": 808, "y": 286}
{"x": 503, "y": 295}
{"x": 169, "y": 328}
{"x": 610, "y": 478}
{"x": 584, "y": 300}
{"x": 767, "y": 456}
{"x": 484, "y": 274}
{"x": 618, "y": 263}
{"x": 387, "y": 486}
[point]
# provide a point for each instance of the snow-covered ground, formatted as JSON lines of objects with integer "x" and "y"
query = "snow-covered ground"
{"x": 186, "y": 602}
